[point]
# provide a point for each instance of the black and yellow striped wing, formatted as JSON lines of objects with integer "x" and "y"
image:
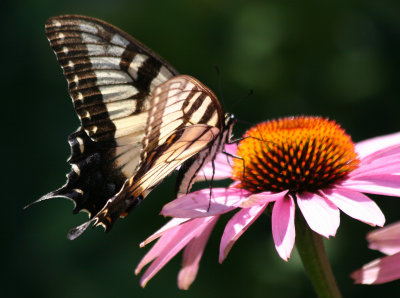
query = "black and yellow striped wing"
{"x": 139, "y": 119}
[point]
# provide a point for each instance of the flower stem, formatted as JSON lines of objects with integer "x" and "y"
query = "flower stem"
{"x": 311, "y": 248}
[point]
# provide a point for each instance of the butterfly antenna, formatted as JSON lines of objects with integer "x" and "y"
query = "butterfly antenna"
{"x": 246, "y": 122}
{"x": 249, "y": 94}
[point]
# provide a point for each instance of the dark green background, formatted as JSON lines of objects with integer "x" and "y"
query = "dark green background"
{"x": 338, "y": 59}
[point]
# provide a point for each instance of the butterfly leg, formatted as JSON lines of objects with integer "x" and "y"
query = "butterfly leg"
{"x": 211, "y": 182}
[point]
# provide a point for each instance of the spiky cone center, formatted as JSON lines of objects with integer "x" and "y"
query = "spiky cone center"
{"x": 294, "y": 153}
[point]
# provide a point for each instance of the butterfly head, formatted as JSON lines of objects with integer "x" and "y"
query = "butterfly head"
{"x": 230, "y": 119}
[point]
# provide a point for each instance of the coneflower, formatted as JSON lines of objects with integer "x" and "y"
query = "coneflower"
{"x": 305, "y": 162}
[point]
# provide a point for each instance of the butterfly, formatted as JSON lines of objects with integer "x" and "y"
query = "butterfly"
{"x": 140, "y": 120}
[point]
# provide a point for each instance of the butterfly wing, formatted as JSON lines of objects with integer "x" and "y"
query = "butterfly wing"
{"x": 110, "y": 79}
{"x": 185, "y": 117}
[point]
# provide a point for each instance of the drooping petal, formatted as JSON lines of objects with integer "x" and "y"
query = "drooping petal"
{"x": 222, "y": 165}
{"x": 192, "y": 255}
{"x": 388, "y": 185}
{"x": 356, "y": 205}
{"x": 283, "y": 230}
{"x": 386, "y": 239}
{"x": 236, "y": 226}
{"x": 157, "y": 248}
{"x": 174, "y": 222}
{"x": 321, "y": 215}
{"x": 379, "y": 271}
{"x": 373, "y": 145}
{"x": 262, "y": 198}
{"x": 169, "y": 245}
{"x": 200, "y": 204}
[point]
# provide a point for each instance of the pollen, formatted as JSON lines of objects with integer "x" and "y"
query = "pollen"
{"x": 296, "y": 154}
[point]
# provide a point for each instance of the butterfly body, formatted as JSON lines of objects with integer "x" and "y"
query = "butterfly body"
{"x": 140, "y": 119}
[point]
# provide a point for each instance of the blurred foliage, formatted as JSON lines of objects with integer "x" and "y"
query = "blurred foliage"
{"x": 338, "y": 59}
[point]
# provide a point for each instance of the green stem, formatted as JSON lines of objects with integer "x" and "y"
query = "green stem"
{"x": 311, "y": 248}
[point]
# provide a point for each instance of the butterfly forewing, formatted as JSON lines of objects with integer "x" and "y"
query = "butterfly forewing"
{"x": 109, "y": 74}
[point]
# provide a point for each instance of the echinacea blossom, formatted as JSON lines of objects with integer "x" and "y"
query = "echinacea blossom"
{"x": 385, "y": 269}
{"x": 304, "y": 162}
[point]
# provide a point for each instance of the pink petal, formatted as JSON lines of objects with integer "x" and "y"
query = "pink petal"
{"x": 388, "y": 247}
{"x": 169, "y": 245}
{"x": 386, "y": 239}
{"x": 157, "y": 249}
{"x": 262, "y": 198}
{"x": 391, "y": 153}
{"x": 283, "y": 230}
{"x": 370, "y": 146}
{"x": 388, "y": 185}
{"x": 192, "y": 255}
{"x": 391, "y": 231}
{"x": 384, "y": 166}
{"x": 231, "y": 148}
{"x": 321, "y": 215}
{"x": 222, "y": 165}
{"x": 236, "y": 226}
{"x": 356, "y": 205}
{"x": 379, "y": 271}
{"x": 174, "y": 222}
{"x": 381, "y": 155}
{"x": 221, "y": 170}
{"x": 200, "y": 204}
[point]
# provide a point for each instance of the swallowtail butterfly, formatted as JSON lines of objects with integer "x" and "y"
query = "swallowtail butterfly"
{"x": 140, "y": 120}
